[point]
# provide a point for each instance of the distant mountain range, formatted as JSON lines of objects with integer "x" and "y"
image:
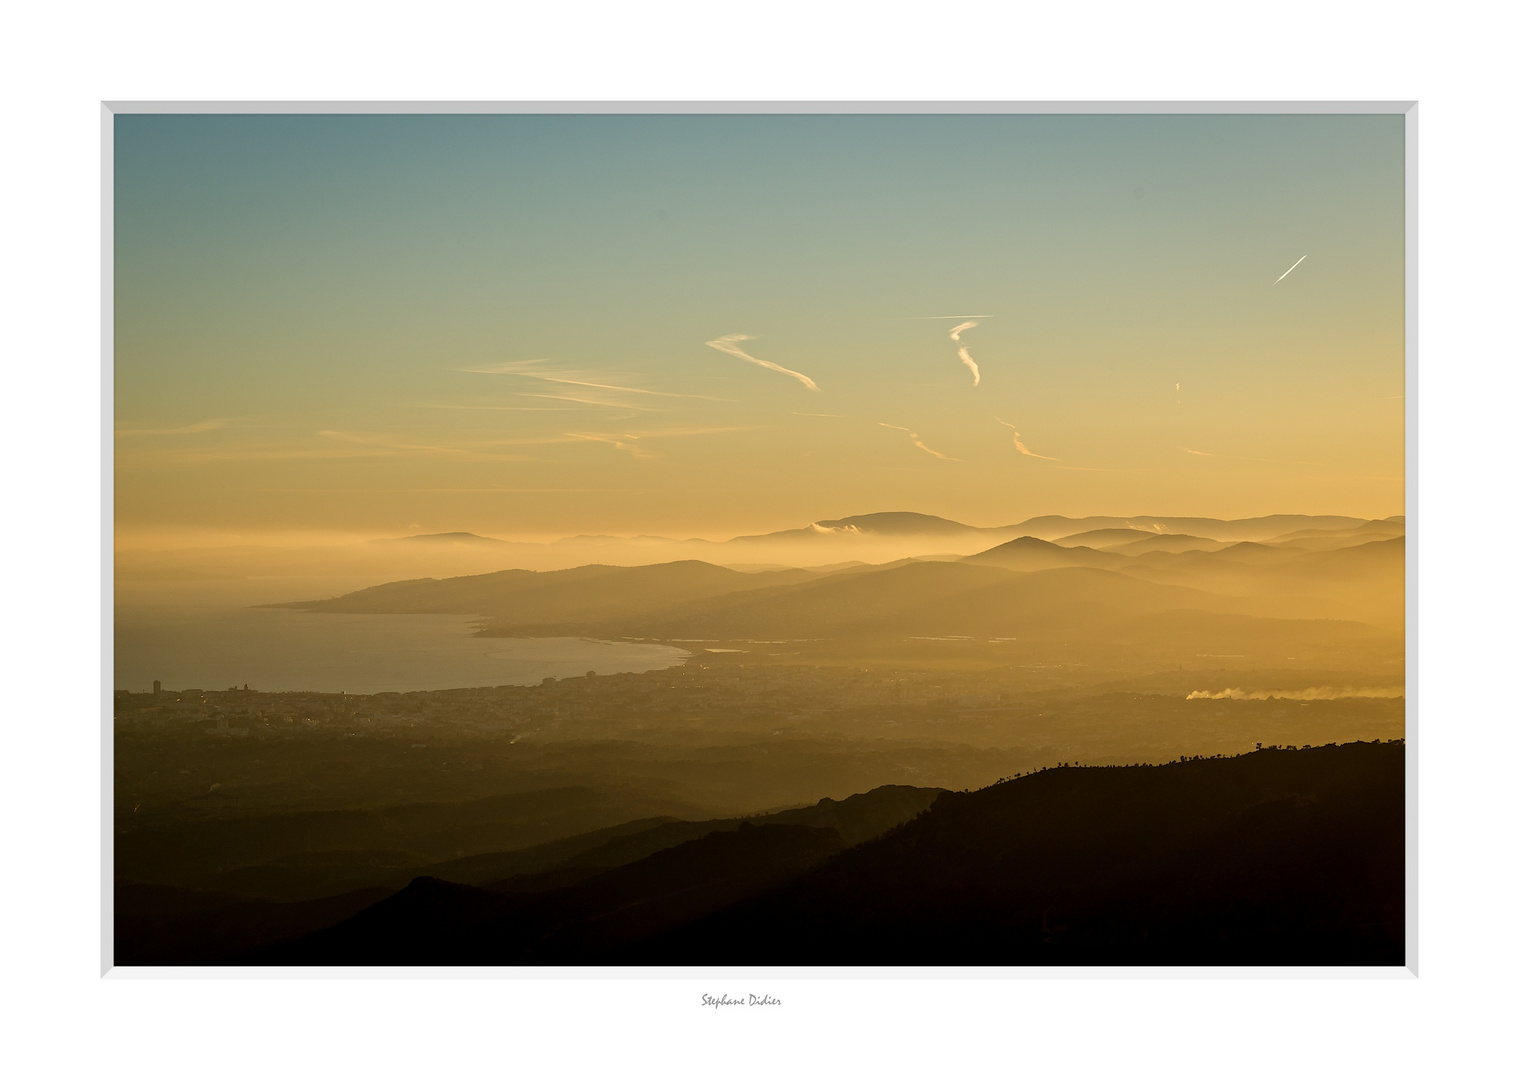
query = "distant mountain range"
{"x": 1276, "y": 857}
{"x": 874, "y": 538}
{"x": 1026, "y": 588}
{"x": 906, "y": 523}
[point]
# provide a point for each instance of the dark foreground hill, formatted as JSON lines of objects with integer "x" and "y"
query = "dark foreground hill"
{"x": 1276, "y": 857}
{"x": 280, "y": 899}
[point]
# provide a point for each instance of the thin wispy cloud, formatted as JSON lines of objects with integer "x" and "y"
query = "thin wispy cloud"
{"x": 445, "y": 491}
{"x": 628, "y": 441}
{"x": 364, "y": 444}
{"x": 626, "y": 406}
{"x": 1283, "y": 461}
{"x": 1289, "y": 270}
{"x": 965, "y": 357}
{"x": 591, "y": 380}
{"x": 188, "y": 429}
{"x": 484, "y": 408}
{"x": 334, "y": 446}
{"x": 728, "y": 343}
{"x": 1018, "y": 444}
{"x": 1259, "y": 460}
{"x": 621, "y": 443}
{"x": 830, "y": 415}
{"x": 917, "y": 441}
{"x": 467, "y": 451}
{"x": 1312, "y": 693}
{"x": 975, "y": 372}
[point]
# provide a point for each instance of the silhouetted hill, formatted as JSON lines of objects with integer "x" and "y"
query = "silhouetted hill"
{"x": 1167, "y": 542}
{"x": 308, "y": 854}
{"x": 529, "y": 596}
{"x": 1048, "y": 527}
{"x": 1051, "y": 527}
{"x": 1331, "y": 539}
{"x": 922, "y": 599}
{"x": 1101, "y": 538}
{"x": 162, "y": 925}
{"x": 1276, "y": 857}
{"x": 1031, "y": 553}
{"x": 977, "y": 595}
{"x": 1364, "y": 581}
{"x": 856, "y": 819}
{"x": 901, "y": 523}
{"x": 1026, "y": 587}
{"x": 437, "y": 922}
{"x": 462, "y": 539}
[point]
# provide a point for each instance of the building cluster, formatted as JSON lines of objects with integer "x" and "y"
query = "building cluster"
{"x": 723, "y": 694}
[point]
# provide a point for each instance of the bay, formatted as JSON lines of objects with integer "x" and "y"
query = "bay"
{"x": 213, "y": 638}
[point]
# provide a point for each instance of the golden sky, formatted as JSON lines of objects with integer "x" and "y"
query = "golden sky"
{"x": 530, "y": 326}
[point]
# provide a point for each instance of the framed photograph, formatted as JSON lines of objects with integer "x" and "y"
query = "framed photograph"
{"x": 867, "y": 536}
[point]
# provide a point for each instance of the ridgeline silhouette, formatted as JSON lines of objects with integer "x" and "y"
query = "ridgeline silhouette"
{"x": 1274, "y": 857}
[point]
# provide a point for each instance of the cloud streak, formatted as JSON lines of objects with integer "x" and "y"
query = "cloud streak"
{"x": 1289, "y": 270}
{"x": 1312, "y": 693}
{"x": 591, "y": 380}
{"x": 621, "y": 443}
{"x": 1260, "y": 460}
{"x": 188, "y": 429}
{"x": 626, "y": 406}
{"x": 1018, "y": 444}
{"x": 965, "y": 357}
{"x": 975, "y": 372}
{"x": 916, "y": 441}
{"x": 728, "y": 344}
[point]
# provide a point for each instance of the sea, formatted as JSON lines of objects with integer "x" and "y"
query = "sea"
{"x": 215, "y": 635}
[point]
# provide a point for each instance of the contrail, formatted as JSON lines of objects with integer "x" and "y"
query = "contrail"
{"x": 1312, "y": 693}
{"x": 1291, "y": 268}
{"x": 975, "y": 372}
{"x": 954, "y": 335}
{"x": 528, "y": 369}
{"x": 1018, "y": 442}
{"x": 190, "y": 429}
{"x": 726, "y": 344}
{"x": 913, "y": 435}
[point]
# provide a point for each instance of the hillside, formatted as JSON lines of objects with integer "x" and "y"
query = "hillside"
{"x": 1275, "y": 857}
{"x": 303, "y": 873}
{"x": 1026, "y": 587}
{"x": 562, "y": 596}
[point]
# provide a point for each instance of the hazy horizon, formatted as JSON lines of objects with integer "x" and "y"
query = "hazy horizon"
{"x": 166, "y": 540}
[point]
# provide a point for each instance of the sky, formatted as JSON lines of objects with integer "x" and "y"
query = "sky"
{"x": 540, "y": 326}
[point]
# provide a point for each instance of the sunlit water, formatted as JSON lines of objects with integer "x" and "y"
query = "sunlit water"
{"x": 211, "y": 637}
